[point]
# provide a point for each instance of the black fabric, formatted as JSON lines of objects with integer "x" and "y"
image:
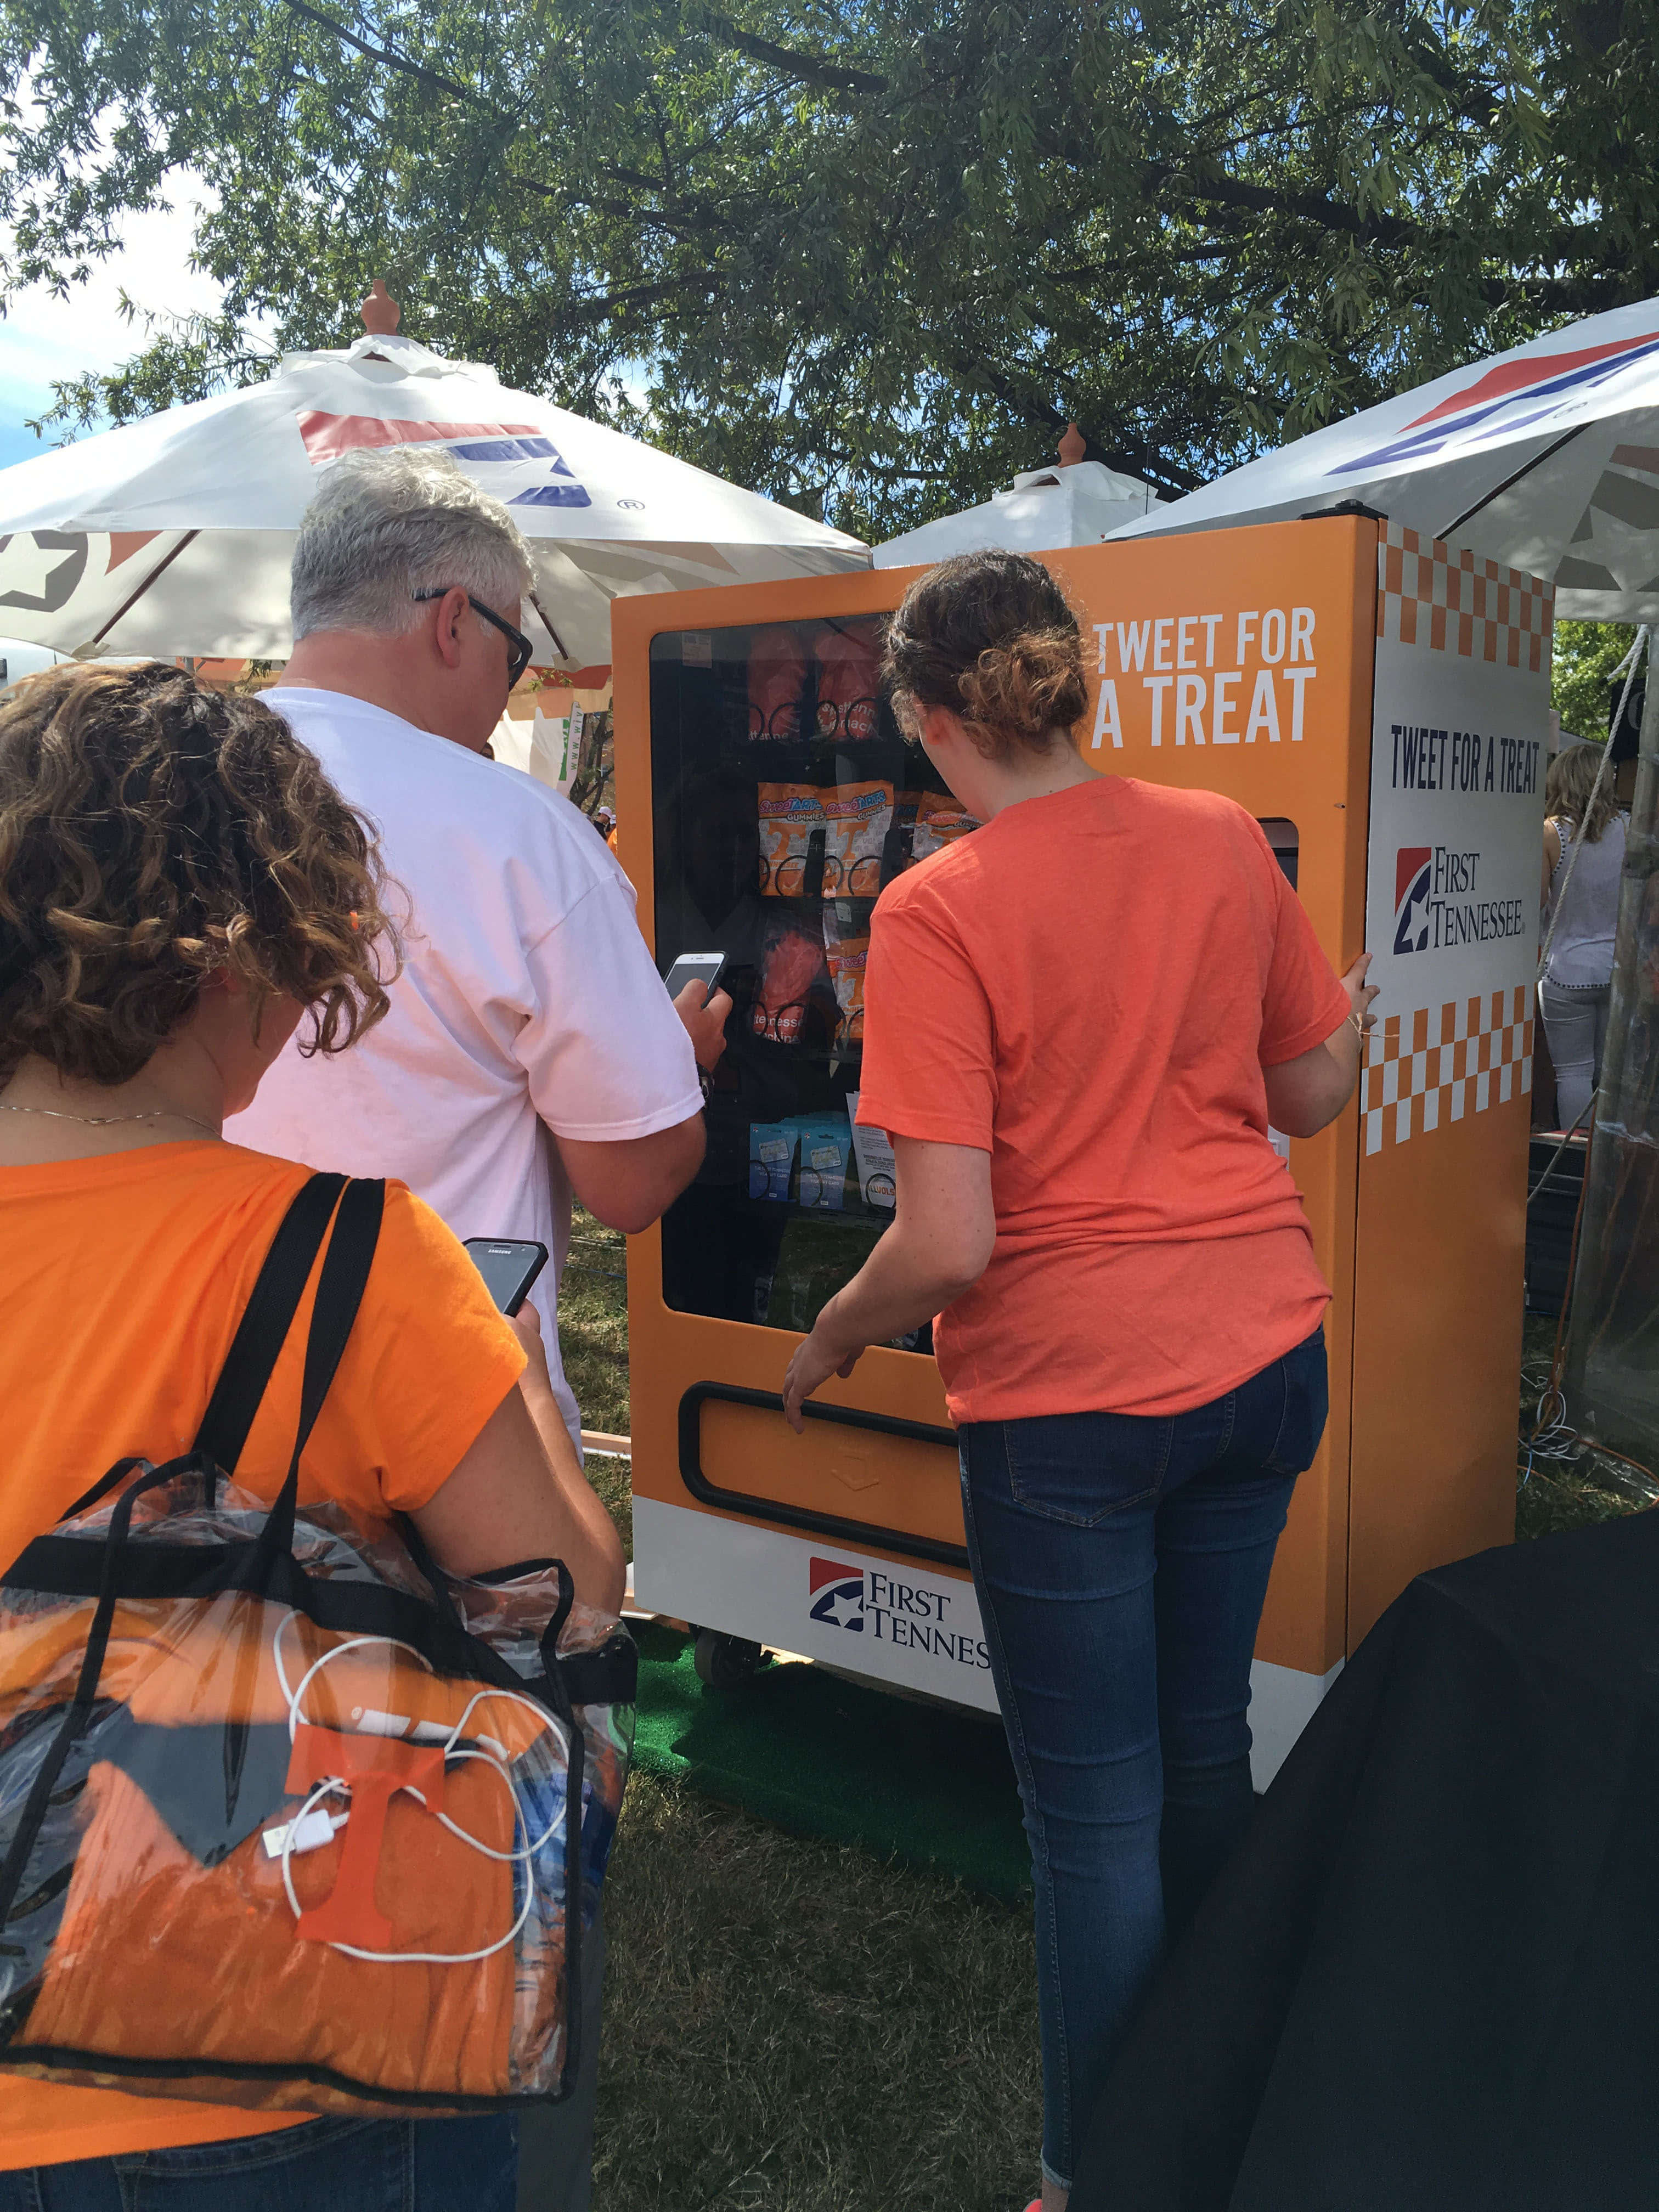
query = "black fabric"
{"x": 1431, "y": 1977}
{"x": 610, "y": 1677}
{"x": 339, "y": 1293}
{"x": 198, "y": 2078}
{"x": 266, "y": 1320}
{"x": 77, "y": 1566}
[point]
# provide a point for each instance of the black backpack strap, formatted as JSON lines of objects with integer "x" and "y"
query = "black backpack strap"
{"x": 339, "y": 1292}
{"x": 265, "y": 1323}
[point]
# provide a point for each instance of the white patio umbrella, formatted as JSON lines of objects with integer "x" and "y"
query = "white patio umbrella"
{"x": 1546, "y": 460}
{"x": 173, "y": 535}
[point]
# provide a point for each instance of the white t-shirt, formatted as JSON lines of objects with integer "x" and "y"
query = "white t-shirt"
{"x": 527, "y": 1003}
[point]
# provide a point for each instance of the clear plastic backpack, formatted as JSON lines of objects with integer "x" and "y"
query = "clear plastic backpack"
{"x": 289, "y": 1820}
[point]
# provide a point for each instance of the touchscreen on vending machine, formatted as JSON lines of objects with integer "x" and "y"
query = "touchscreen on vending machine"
{"x": 787, "y": 798}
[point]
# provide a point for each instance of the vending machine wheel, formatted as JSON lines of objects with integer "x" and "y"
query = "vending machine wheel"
{"x": 725, "y": 1661}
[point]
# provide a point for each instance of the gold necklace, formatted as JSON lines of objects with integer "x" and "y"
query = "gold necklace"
{"x": 103, "y": 1121}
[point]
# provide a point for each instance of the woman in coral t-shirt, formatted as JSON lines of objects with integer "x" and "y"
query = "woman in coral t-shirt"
{"x": 180, "y": 887}
{"x": 1079, "y": 1022}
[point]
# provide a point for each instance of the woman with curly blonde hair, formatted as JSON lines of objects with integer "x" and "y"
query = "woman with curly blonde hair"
{"x": 1078, "y": 1022}
{"x": 180, "y": 888}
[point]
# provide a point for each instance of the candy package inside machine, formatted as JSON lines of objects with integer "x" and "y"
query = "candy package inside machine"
{"x": 777, "y": 683}
{"x": 849, "y": 683}
{"x": 846, "y": 953}
{"x": 792, "y": 967}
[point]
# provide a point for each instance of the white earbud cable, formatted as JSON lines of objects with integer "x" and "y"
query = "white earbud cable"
{"x": 451, "y": 1748}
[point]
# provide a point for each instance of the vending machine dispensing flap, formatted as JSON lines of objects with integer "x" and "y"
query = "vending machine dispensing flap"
{"x": 791, "y": 1513}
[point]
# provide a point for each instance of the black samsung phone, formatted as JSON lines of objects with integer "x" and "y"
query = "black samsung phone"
{"x": 508, "y": 1267}
{"x": 704, "y": 968}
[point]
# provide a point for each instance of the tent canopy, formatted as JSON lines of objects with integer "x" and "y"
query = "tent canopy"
{"x": 1546, "y": 460}
{"x": 1072, "y": 504}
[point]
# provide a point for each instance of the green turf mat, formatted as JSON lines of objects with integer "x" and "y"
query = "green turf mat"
{"x": 825, "y": 1757}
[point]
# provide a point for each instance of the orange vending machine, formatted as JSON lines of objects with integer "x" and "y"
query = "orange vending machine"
{"x": 1381, "y": 705}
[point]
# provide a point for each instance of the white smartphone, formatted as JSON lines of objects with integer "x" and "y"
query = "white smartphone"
{"x": 704, "y": 968}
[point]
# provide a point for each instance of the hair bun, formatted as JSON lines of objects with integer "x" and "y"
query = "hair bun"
{"x": 1028, "y": 686}
{"x": 991, "y": 637}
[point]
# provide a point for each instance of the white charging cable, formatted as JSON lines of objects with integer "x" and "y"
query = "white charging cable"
{"x": 452, "y": 1748}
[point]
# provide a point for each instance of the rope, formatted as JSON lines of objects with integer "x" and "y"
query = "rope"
{"x": 1588, "y": 1107}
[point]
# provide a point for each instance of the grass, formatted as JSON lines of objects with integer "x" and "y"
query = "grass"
{"x": 795, "y": 2025}
{"x": 593, "y": 1342}
{"x": 1571, "y": 1493}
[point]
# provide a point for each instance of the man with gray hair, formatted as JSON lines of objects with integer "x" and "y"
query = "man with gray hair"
{"x": 531, "y": 1050}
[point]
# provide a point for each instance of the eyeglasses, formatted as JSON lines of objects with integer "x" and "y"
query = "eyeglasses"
{"x": 519, "y": 648}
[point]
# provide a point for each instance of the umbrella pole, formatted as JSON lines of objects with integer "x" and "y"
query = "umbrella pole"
{"x": 1498, "y": 491}
{"x": 127, "y": 605}
{"x": 557, "y": 640}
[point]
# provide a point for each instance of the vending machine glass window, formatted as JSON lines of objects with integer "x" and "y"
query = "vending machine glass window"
{"x": 785, "y": 798}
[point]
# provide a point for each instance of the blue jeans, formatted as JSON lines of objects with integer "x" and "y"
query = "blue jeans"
{"x": 1121, "y": 1564}
{"x": 329, "y": 2165}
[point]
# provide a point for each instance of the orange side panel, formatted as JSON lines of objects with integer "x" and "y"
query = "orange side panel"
{"x": 1438, "y": 1308}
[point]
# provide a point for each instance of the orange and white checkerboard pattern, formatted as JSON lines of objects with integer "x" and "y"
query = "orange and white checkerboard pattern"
{"x": 1452, "y": 601}
{"x": 1440, "y": 1063}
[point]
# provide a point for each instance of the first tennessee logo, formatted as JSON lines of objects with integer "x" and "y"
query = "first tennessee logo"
{"x": 837, "y": 1594}
{"x": 1412, "y": 873}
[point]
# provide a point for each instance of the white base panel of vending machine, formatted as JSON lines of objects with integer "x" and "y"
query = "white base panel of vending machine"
{"x": 908, "y": 1625}
{"x": 1283, "y": 1700}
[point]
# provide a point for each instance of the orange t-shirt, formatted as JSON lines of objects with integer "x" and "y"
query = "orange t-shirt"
{"x": 1088, "y": 988}
{"x": 122, "y": 1281}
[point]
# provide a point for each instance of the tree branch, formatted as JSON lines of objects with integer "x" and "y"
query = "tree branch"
{"x": 625, "y": 212}
{"x": 1150, "y": 468}
{"x": 595, "y": 306}
{"x": 1306, "y": 207}
{"x": 805, "y": 69}
{"x": 391, "y": 60}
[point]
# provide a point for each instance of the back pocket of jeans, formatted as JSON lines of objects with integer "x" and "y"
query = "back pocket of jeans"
{"x": 1083, "y": 1467}
{"x": 1307, "y": 1407}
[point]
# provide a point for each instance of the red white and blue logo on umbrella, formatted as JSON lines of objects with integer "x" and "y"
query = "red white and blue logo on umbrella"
{"x": 517, "y": 461}
{"x": 1510, "y": 396}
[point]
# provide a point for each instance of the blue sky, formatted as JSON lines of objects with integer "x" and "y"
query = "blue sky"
{"x": 41, "y": 338}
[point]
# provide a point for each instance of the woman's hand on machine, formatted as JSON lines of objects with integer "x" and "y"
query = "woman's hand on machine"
{"x": 1360, "y": 994}
{"x": 1306, "y": 1094}
{"x": 815, "y": 1362}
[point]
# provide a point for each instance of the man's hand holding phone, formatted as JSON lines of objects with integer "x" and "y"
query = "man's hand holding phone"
{"x": 694, "y": 986}
{"x": 705, "y": 1021}
{"x": 536, "y": 1381}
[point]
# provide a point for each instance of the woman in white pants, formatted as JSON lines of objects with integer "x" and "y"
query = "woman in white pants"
{"x": 1581, "y": 904}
